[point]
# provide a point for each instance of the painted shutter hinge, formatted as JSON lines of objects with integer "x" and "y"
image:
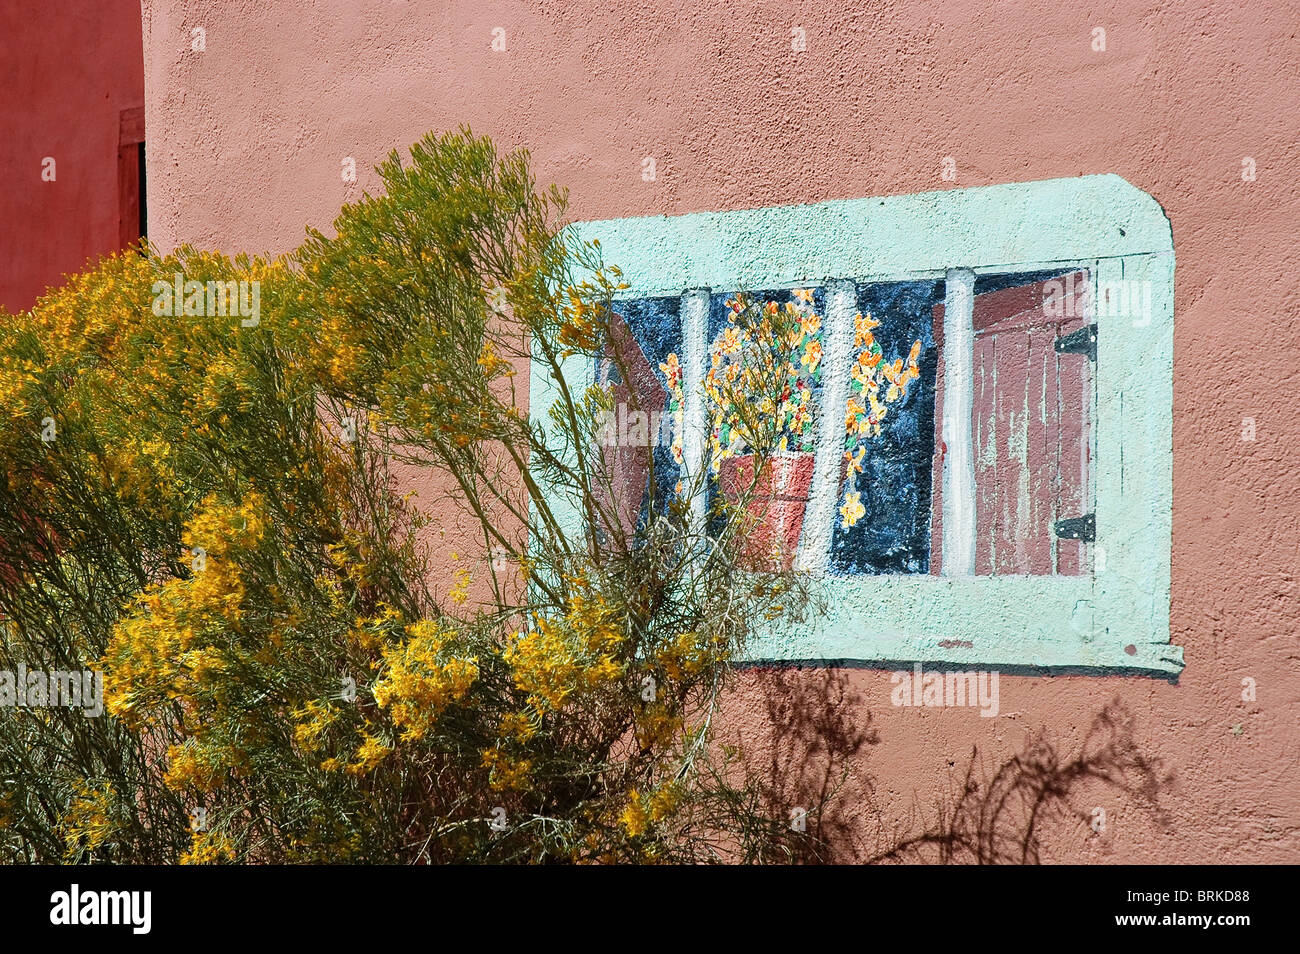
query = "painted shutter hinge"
{"x": 1077, "y": 528}
{"x": 1083, "y": 341}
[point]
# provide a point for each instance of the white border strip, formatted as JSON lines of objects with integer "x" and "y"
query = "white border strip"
{"x": 695, "y": 425}
{"x": 958, "y": 399}
{"x": 819, "y": 519}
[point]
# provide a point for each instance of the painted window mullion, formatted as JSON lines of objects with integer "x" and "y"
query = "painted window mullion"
{"x": 695, "y": 425}
{"x": 819, "y": 521}
{"x": 958, "y": 401}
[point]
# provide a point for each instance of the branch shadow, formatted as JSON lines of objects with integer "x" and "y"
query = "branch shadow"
{"x": 820, "y": 727}
{"x": 998, "y": 813}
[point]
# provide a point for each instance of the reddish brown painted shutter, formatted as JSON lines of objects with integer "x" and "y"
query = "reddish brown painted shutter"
{"x": 1031, "y": 426}
{"x": 628, "y": 466}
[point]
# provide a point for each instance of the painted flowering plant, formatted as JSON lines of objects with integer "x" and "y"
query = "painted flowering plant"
{"x": 866, "y": 409}
{"x": 766, "y": 366}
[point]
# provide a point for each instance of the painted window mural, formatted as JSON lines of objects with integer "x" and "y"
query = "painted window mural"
{"x": 881, "y": 521}
{"x": 1031, "y": 406}
{"x": 975, "y": 449}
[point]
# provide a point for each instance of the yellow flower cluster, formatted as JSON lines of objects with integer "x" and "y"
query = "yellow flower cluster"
{"x": 85, "y": 314}
{"x": 505, "y": 772}
{"x": 17, "y": 377}
{"x": 580, "y": 327}
{"x": 544, "y": 665}
{"x": 199, "y": 766}
{"x": 368, "y": 756}
{"x": 688, "y": 654}
{"x": 656, "y": 726}
{"x": 493, "y": 364}
{"x": 643, "y": 811}
{"x": 422, "y": 677}
{"x": 519, "y": 726}
{"x": 141, "y": 665}
{"x": 312, "y": 721}
{"x": 635, "y": 819}
{"x": 208, "y": 848}
{"x": 575, "y": 652}
{"x": 459, "y": 592}
{"x": 87, "y": 823}
{"x": 152, "y": 655}
{"x": 221, "y": 528}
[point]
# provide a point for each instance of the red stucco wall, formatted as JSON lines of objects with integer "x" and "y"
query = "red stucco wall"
{"x": 69, "y": 69}
{"x": 257, "y": 124}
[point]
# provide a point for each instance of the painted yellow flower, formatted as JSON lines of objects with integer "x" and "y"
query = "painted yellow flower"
{"x": 852, "y": 511}
{"x": 855, "y": 460}
{"x": 730, "y": 341}
{"x": 672, "y": 370}
{"x": 853, "y": 413}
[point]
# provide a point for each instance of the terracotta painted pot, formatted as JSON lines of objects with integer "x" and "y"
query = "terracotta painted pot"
{"x": 777, "y": 503}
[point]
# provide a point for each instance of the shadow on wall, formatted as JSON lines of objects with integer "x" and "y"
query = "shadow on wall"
{"x": 996, "y": 815}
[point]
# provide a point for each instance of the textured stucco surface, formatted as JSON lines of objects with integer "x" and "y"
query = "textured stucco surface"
{"x": 66, "y": 74}
{"x": 245, "y": 147}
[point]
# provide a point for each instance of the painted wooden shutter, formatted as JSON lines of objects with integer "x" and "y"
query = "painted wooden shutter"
{"x": 1031, "y": 427}
{"x": 639, "y": 401}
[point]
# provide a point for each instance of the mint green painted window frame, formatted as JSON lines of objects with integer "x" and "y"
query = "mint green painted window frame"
{"x": 1115, "y": 620}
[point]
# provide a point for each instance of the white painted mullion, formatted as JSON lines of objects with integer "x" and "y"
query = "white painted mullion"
{"x": 695, "y": 424}
{"x": 958, "y": 400}
{"x": 819, "y": 520}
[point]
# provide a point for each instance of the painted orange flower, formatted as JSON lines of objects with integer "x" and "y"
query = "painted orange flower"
{"x": 812, "y": 355}
{"x": 862, "y": 337}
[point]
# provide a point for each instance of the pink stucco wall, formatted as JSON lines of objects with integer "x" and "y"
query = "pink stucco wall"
{"x": 256, "y": 125}
{"x": 67, "y": 75}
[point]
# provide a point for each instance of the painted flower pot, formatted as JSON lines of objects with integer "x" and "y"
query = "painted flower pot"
{"x": 777, "y": 503}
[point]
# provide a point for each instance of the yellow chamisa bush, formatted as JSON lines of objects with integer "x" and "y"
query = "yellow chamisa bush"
{"x": 208, "y": 500}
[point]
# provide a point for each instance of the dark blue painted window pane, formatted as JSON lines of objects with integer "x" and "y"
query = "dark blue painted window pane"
{"x": 894, "y": 534}
{"x": 655, "y": 325}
